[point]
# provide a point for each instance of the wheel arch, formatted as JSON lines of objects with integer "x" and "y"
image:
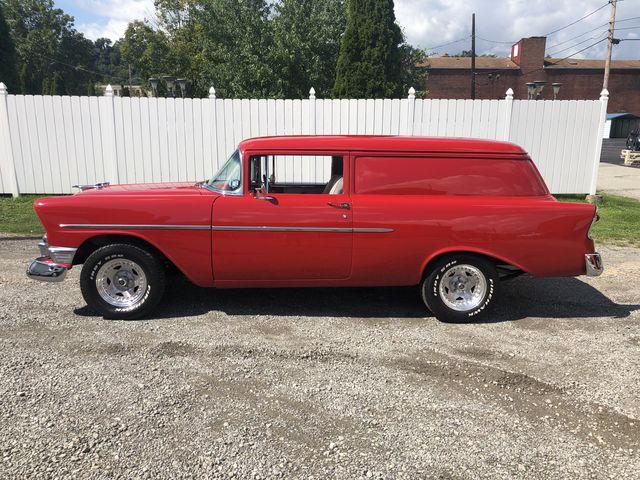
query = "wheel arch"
{"x": 95, "y": 242}
{"x": 496, "y": 259}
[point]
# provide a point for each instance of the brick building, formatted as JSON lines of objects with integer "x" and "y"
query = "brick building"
{"x": 450, "y": 77}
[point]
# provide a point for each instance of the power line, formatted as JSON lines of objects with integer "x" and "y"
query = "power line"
{"x": 576, "y": 44}
{"x": 576, "y": 21}
{"x": 75, "y": 67}
{"x": 628, "y": 28}
{"x": 553, "y": 32}
{"x": 568, "y": 56}
{"x": 594, "y": 29}
{"x": 562, "y": 28}
{"x": 626, "y": 19}
{"x": 578, "y": 36}
{"x": 494, "y": 41}
{"x": 501, "y": 42}
{"x": 446, "y": 44}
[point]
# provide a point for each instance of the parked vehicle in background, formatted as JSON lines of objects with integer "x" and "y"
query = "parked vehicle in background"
{"x": 454, "y": 216}
{"x": 633, "y": 140}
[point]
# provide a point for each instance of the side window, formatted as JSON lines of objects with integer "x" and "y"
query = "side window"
{"x": 297, "y": 174}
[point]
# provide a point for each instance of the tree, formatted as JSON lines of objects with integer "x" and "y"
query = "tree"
{"x": 107, "y": 62}
{"x": 56, "y": 84}
{"x": 180, "y": 20}
{"x": 306, "y": 45}
{"x": 47, "y": 42}
{"x": 146, "y": 50}
{"x": 236, "y": 41}
{"x": 414, "y": 71}
{"x": 370, "y": 61}
{"x": 8, "y": 57}
{"x": 467, "y": 53}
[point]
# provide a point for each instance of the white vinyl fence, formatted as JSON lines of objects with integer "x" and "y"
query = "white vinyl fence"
{"x": 49, "y": 143}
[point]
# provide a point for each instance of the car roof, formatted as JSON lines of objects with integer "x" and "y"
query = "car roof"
{"x": 380, "y": 143}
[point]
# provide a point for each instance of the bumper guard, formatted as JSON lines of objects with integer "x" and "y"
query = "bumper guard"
{"x": 593, "y": 263}
{"x": 53, "y": 263}
{"x": 46, "y": 270}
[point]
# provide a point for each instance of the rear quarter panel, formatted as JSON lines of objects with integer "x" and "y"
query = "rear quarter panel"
{"x": 539, "y": 235}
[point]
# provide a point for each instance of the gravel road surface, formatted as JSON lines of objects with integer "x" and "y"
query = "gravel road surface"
{"x": 322, "y": 383}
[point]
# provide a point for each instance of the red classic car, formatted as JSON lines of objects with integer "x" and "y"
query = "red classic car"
{"x": 451, "y": 215}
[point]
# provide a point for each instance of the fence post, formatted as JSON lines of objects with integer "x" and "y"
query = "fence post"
{"x": 604, "y": 100}
{"x": 6, "y": 150}
{"x": 212, "y": 93}
{"x": 312, "y": 111}
{"x": 109, "y": 146}
{"x": 508, "y": 110}
{"x": 411, "y": 98}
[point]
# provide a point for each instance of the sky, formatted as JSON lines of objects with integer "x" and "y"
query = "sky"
{"x": 432, "y": 23}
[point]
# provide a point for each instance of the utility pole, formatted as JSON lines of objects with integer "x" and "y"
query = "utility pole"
{"x": 612, "y": 26}
{"x": 473, "y": 56}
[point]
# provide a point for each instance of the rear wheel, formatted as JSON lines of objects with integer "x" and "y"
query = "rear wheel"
{"x": 122, "y": 281}
{"x": 460, "y": 288}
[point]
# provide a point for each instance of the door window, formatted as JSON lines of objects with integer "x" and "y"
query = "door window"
{"x": 297, "y": 174}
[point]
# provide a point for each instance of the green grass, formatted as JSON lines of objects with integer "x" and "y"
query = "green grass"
{"x": 17, "y": 215}
{"x": 619, "y": 219}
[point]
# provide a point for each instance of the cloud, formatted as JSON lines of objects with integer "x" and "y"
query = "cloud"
{"x": 113, "y": 29}
{"x": 429, "y": 23}
{"x": 113, "y": 16}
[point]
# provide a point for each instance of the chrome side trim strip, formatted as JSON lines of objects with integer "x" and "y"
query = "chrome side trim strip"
{"x": 250, "y": 228}
{"x": 267, "y": 228}
{"x": 121, "y": 226}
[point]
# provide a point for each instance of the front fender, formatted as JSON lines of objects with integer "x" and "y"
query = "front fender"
{"x": 179, "y": 226}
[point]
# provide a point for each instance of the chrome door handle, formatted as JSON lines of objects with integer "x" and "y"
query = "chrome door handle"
{"x": 343, "y": 205}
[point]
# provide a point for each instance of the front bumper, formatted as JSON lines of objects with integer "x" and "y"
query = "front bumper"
{"x": 593, "y": 263}
{"x": 46, "y": 270}
{"x": 53, "y": 263}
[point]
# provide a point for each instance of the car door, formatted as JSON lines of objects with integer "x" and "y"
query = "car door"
{"x": 290, "y": 223}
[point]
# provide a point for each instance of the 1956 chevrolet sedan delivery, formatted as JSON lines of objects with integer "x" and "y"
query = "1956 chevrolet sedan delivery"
{"x": 454, "y": 216}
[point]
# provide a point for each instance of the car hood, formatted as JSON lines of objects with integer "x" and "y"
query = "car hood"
{"x": 161, "y": 189}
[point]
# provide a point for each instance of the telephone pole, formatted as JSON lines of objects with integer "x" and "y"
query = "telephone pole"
{"x": 612, "y": 26}
{"x": 473, "y": 56}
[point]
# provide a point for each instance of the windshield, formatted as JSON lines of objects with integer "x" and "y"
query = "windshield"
{"x": 228, "y": 177}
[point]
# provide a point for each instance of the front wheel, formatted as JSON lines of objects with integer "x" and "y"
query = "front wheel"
{"x": 122, "y": 281}
{"x": 460, "y": 288}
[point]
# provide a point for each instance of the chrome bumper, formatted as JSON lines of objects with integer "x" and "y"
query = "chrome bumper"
{"x": 46, "y": 270}
{"x": 51, "y": 266}
{"x": 593, "y": 263}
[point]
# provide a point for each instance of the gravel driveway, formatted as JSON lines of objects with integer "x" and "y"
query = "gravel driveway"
{"x": 321, "y": 383}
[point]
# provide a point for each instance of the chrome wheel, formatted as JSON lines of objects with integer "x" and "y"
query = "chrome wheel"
{"x": 462, "y": 287}
{"x": 121, "y": 283}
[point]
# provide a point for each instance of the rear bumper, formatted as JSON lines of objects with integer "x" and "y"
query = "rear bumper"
{"x": 46, "y": 270}
{"x": 593, "y": 263}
